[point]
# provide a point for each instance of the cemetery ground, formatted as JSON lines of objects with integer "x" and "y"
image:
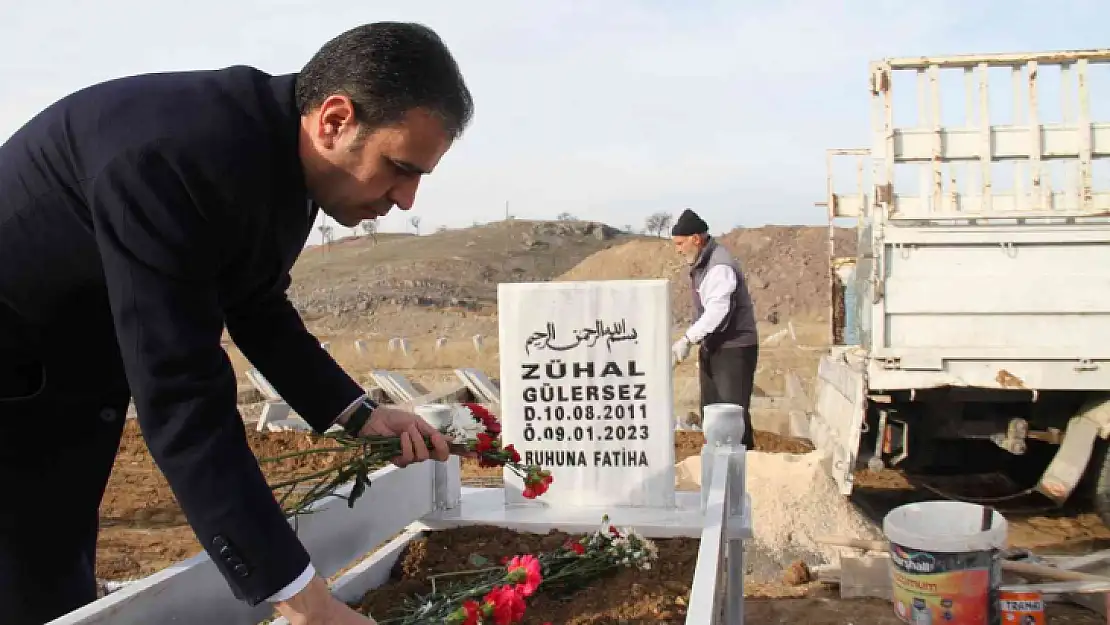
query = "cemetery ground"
{"x": 444, "y": 285}
{"x": 144, "y": 531}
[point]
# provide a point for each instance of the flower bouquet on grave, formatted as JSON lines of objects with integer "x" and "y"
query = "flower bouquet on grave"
{"x": 473, "y": 432}
{"x": 499, "y": 594}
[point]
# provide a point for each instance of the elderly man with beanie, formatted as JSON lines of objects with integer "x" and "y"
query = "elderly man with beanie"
{"x": 724, "y": 328}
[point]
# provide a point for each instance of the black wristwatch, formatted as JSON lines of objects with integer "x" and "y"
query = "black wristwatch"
{"x": 359, "y": 417}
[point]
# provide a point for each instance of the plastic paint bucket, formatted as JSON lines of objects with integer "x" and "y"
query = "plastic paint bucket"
{"x": 944, "y": 566}
{"x": 1020, "y": 605}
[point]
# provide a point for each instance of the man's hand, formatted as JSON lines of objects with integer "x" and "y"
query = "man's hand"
{"x": 411, "y": 429}
{"x": 680, "y": 350}
{"x": 315, "y": 605}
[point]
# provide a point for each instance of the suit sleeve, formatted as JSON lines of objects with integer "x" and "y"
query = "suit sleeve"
{"x": 161, "y": 261}
{"x": 273, "y": 337}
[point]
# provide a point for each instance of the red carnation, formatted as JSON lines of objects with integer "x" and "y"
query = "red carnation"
{"x": 536, "y": 482}
{"x": 504, "y": 605}
{"x": 525, "y": 571}
{"x": 575, "y": 546}
{"x": 472, "y": 611}
{"x": 483, "y": 416}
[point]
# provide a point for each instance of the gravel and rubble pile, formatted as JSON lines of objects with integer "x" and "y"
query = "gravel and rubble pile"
{"x": 366, "y": 295}
{"x": 793, "y": 503}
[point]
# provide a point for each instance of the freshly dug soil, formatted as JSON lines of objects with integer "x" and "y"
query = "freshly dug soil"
{"x": 688, "y": 444}
{"x": 142, "y": 528}
{"x": 656, "y": 596}
{"x": 659, "y": 595}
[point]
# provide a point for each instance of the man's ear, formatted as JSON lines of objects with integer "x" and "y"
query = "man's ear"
{"x": 336, "y": 118}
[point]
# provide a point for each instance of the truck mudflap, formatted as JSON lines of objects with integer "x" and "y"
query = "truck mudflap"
{"x": 1070, "y": 462}
{"x": 840, "y": 408}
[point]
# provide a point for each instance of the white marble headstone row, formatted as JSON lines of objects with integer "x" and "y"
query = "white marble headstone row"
{"x": 402, "y": 344}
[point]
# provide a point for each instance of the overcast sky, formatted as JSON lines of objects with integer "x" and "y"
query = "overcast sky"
{"x": 606, "y": 109}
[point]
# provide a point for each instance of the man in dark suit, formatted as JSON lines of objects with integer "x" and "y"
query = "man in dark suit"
{"x": 140, "y": 216}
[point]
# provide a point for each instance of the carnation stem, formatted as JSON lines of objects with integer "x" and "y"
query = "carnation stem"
{"x": 305, "y": 452}
{"x": 304, "y": 478}
{"x": 461, "y": 573}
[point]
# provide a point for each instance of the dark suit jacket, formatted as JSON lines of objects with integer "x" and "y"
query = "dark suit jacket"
{"x": 137, "y": 218}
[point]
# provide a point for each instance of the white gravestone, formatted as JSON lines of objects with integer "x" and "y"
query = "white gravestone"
{"x": 586, "y": 390}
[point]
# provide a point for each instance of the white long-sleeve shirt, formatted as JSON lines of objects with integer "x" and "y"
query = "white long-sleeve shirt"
{"x": 715, "y": 292}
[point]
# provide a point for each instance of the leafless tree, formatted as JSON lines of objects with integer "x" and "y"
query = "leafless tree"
{"x": 370, "y": 227}
{"x": 327, "y": 233}
{"x": 415, "y": 221}
{"x": 658, "y": 222}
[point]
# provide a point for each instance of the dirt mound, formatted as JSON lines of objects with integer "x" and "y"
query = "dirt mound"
{"x": 142, "y": 528}
{"x": 786, "y": 268}
{"x": 658, "y": 595}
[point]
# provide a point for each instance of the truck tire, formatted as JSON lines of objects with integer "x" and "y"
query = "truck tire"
{"x": 1094, "y": 489}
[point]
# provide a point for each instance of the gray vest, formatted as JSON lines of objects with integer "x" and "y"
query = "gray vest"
{"x": 738, "y": 327}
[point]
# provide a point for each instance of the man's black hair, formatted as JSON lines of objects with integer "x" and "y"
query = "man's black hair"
{"x": 388, "y": 69}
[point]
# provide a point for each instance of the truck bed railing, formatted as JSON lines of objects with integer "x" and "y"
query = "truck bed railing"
{"x": 1033, "y": 148}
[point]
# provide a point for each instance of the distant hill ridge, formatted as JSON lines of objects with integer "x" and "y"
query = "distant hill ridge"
{"x": 359, "y": 282}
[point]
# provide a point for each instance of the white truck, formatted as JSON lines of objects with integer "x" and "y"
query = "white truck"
{"x": 972, "y": 328}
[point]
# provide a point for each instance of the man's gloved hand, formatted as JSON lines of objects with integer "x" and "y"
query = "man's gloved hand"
{"x": 680, "y": 350}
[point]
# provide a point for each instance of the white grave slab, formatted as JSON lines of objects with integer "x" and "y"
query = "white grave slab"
{"x": 586, "y": 390}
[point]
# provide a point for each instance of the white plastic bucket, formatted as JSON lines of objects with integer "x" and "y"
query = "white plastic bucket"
{"x": 944, "y": 567}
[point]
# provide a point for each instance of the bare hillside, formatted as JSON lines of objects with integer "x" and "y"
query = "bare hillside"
{"x": 446, "y": 282}
{"x": 405, "y": 283}
{"x": 786, "y": 268}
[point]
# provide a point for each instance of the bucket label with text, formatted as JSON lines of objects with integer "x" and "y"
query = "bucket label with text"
{"x": 934, "y": 587}
{"x": 1020, "y": 607}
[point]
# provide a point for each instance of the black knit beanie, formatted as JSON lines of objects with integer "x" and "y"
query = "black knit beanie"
{"x": 689, "y": 223}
